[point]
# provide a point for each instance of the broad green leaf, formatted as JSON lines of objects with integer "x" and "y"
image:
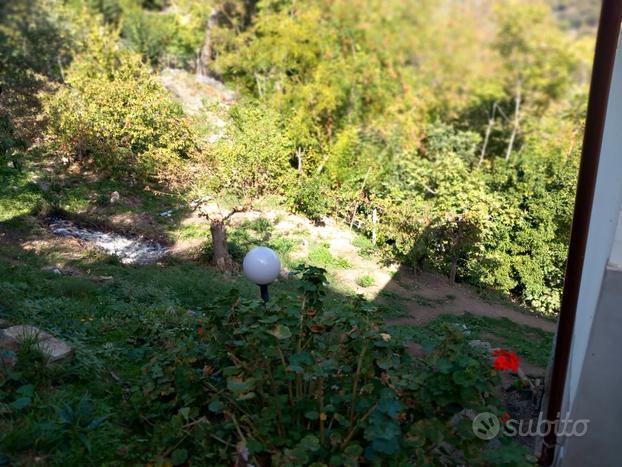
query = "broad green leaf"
{"x": 280, "y": 331}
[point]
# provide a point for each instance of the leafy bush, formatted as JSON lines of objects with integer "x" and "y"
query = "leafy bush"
{"x": 115, "y": 116}
{"x": 365, "y": 280}
{"x": 253, "y": 158}
{"x": 163, "y": 38}
{"x": 311, "y": 198}
{"x": 306, "y": 385}
{"x": 10, "y": 143}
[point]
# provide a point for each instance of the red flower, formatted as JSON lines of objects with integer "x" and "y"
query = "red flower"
{"x": 200, "y": 331}
{"x": 505, "y": 360}
{"x": 505, "y": 417}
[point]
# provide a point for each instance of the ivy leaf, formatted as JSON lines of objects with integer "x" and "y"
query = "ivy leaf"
{"x": 463, "y": 378}
{"x": 185, "y": 412}
{"x": 26, "y": 390}
{"x": 179, "y": 456}
{"x": 443, "y": 365}
{"x": 215, "y": 406}
{"x": 353, "y": 451}
{"x": 310, "y": 443}
{"x": 280, "y": 331}
{"x": 239, "y": 386}
{"x": 312, "y": 415}
{"x": 20, "y": 403}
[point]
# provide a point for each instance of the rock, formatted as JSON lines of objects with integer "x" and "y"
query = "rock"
{"x": 56, "y": 269}
{"x": 55, "y": 349}
{"x": 52, "y": 348}
{"x": 23, "y": 332}
{"x": 8, "y": 344}
{"x": 114, "y": 197}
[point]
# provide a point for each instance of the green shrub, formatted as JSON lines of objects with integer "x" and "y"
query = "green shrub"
{"x": 115, "y": 116}
{"x": 311, "y": 198}
{"x": 364, "y": 245}
{"x": 365, "y": 281}
{"x": 11, "y": 145}
{"x": 253, "y": 158}
{"x": 306, "y": 385}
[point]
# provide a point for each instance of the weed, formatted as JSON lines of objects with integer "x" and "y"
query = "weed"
{"x": 365, "y": 246}
{"x": 530, "y": 343}
{"x": 431, "y": 302}
{"x": 365, "y": 281}
{"x": 319, "y": 255}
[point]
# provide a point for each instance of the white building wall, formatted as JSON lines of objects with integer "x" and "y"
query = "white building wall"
{"x": 603, "y": 224}
{"x": 603, "y": 258}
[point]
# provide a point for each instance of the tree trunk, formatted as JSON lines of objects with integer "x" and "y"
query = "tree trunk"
{"x": 491, "y": 121}
{"x": 222, "y": 258}
{"x": 206, "y": 53}
{"x": 452, "y": 271}
{"x": 517, "y": 102}
{"x": 299, "y": 157}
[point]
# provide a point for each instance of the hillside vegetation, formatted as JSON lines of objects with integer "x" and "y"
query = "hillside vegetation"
{"x": 409, "y": 160}
{"x": 458, "y": 124}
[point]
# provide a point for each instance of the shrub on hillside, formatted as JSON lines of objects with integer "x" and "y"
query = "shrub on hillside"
{"x": 11, "y": 145}
{"x": 164, "y": 38}
{"x": 114, "y": 115}
{"x": 253, "y": 157}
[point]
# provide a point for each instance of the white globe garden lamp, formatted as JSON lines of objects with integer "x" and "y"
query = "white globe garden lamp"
{"x": 262, "y": 266}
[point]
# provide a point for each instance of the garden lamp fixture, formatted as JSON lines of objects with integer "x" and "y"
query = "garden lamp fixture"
{"x": 262, "y": 266}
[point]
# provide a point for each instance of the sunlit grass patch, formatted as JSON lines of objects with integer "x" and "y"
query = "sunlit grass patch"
{"x": 365, "y": 281}
{"x": 320, "y": 255}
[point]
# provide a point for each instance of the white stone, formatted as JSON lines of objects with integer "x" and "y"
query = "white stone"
{"x": 53, "y": 348}
{"x": 23, "y": 332}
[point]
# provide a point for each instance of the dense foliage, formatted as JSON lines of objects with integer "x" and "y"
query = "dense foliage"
{"x": 116, "y": 116}
{"x": 461, "y": 136}
{"x": 465, "y": 143}
{"x": 303, "y": 381}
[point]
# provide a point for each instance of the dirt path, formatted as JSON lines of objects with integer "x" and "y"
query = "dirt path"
{"x": 426, "y": 296}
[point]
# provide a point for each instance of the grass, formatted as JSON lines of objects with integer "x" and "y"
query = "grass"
{"x": 186, "y": 232}
{"x": 19, "y": 194}
{"x": 365, "y": 246}
{"x": 118, "y": 318}
{"x": 365, "y": 281}
{"x": 250, "y": 234}
{"x": 531, "y": 344}
{"x": 432, "y": 302}
{"x": 320, "y": 255}
{"x": 116, "y": 327}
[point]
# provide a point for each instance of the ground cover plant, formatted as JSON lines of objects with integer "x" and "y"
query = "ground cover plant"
{"x": 301, "y": 381}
